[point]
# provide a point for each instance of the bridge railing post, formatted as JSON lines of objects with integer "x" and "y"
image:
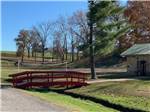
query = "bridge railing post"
{"x": 27, "y": 79}
{"x": 13, "y": 80}
{"x": 71, "y": 75}
{"x": 82, "y": 77}
{"x": 30, "y": 80}
{"x": 78, "y": 77}
{"x": 48, "y": 80}
{"x": 48, "y": 77}
{"x": 52, "y": 79}
{"x": 67, "y": 75}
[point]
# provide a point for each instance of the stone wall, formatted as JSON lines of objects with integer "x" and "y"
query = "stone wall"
{"x": 132, "y": 63}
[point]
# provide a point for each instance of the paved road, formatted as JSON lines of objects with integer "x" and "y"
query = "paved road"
{"x": 14, "y": 100}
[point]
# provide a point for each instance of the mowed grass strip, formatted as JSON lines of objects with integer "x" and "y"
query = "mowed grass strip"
{"x": 8, "y": 68}
{"x": 6, "y": 71}
{"x": 73, "y": 104}
{"x": 48, "y": 55}
{"x": 132, "y": 94}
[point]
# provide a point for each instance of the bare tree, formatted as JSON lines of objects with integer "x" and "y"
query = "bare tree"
{"x": 29, "y": 42}
{"x": 43, "y": 32}
{"x": 72, "y": 43}
{"x": 63, "y": 29}
{"x": 21, "y": 42}
{"x": 35, "y": 43}
{"x": 57, "y": 42}
{"x": 57, "y": 46}
{"x": 80, "y": 29}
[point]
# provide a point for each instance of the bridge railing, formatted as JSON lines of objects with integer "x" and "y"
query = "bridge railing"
{"x": 31, "y": 79}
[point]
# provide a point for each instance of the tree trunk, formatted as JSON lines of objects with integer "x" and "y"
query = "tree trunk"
{"x": 92, "y": 61}
{"x": 66, "y": 53}
{"x": 62, "y": 57}
{"x": 52, "y": 55}
{"x": 65, "y": 48}
{"x": 22, "y": 57}
{"x": 35, "y": 56}
{"x": 53, "y": 51}
{"x": 72, "y": 50}
{"x": 32, "y": 53}
{"x": 77, "y": 54}
{"x": 43, "y": 54}
{"x": 28, "y": 52}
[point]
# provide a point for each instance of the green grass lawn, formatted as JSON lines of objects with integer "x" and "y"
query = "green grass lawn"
{"x": 5, "y": 71}
{"x": 13, "y": 54}
{"x": 8, "y": 53}
{"x": 76, "y": 105}
{"x": 132, "y": 94}
{"x": 47, "y": 55}
{"x": 8, "y": 68}
{"x": 73, "y": 104}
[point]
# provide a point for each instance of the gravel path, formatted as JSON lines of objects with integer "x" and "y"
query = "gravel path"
{"x": 107, "y": 80}
{"x": 14, "y": 100}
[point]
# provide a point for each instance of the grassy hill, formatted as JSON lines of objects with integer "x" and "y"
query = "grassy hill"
{"x": 110, "y": 61}
{"x": 132, "y": 94}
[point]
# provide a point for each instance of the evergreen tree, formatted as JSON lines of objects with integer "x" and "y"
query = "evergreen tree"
{"x": 111, "y": 24}
{"x": 106, "y": 23}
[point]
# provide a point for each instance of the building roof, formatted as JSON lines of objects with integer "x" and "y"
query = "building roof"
{"x": 137, "y": 49}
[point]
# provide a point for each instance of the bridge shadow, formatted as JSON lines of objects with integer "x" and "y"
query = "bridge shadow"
{"x": 54, "y": 89}
{"x": 5, "y": 86}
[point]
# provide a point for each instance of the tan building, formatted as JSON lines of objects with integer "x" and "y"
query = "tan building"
{"x": 138, "y": 59}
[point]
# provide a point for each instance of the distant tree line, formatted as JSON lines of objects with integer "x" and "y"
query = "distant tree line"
{"x": 61, "y": 37}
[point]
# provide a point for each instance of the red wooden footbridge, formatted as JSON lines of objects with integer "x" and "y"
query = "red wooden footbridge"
{"x": 46, "y": 79}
